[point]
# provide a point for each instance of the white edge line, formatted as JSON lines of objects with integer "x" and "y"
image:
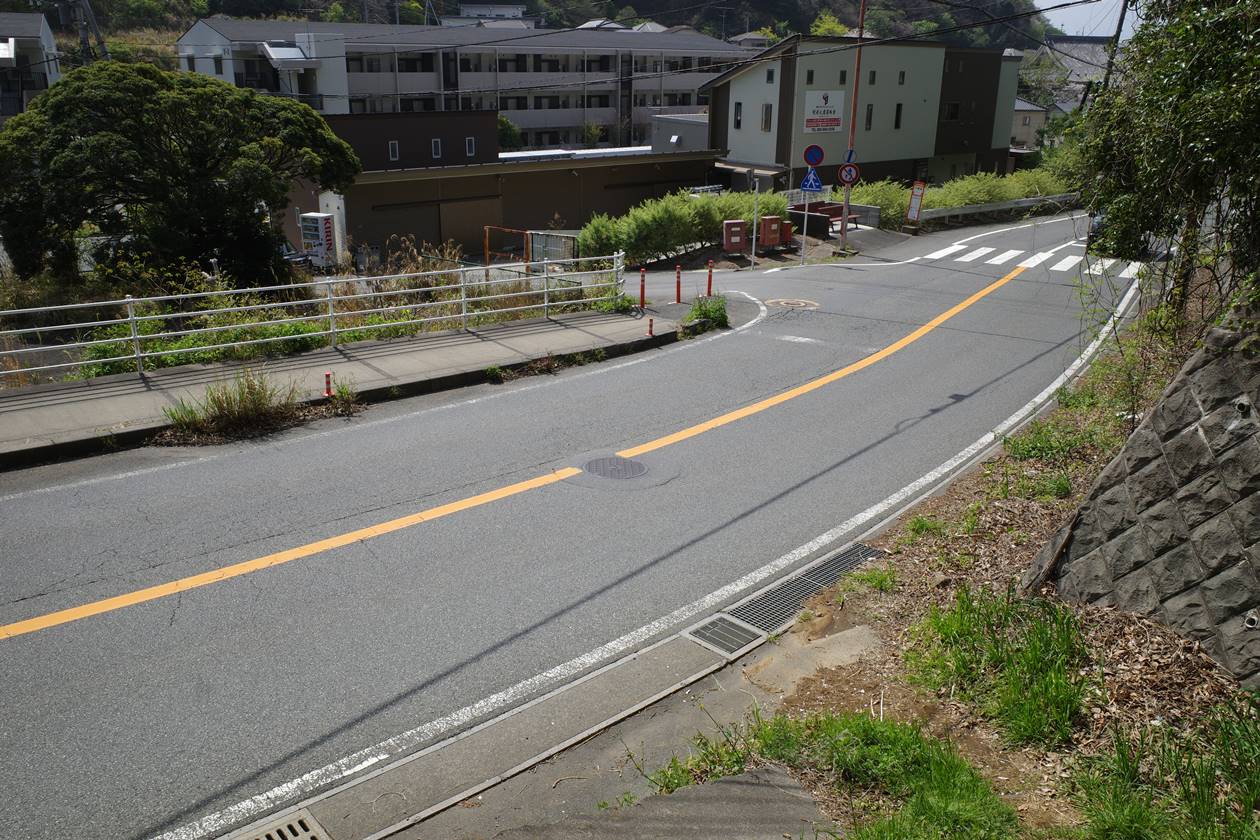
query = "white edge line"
{"x": 639, "y": 358}
{"x": 374, "y": 755}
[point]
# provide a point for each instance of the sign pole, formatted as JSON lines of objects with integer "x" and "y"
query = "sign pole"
{"x": 804, "y": 230}
{"x": 857, "y": 82}
{"x": 752, "y": 256}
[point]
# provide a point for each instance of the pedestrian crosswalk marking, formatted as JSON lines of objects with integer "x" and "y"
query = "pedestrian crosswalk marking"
{"x": 1098, "y": 266}
{"x": 1036, "y": 259}
{"x": 1066, "y": 263}
{"x": 974, "y": 255}
{"x": 1003, "y": 257}
{"x": 945, "y": 252}
{"x": 1131, "y": 271}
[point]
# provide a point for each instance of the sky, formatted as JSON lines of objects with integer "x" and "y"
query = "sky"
{"x": 1090, "y": 18}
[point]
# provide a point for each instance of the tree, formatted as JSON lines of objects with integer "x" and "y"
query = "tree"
{"x": 1170, "y": 148}
{"x": 591, "y": 134}
{"x": 509, "y": 134}
{"x": 172, "y": 167}
{"x": 828, "y": 24}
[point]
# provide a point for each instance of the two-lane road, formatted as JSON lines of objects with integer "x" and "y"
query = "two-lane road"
{"x": 182, "y": 630}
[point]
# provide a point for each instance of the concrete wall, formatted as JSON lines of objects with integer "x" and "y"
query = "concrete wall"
{"x": 692, "y": 131}
{"x": 1008, "y": 84}
{"x": 1171, "y": 528}
{"x": 1025, "y": 136}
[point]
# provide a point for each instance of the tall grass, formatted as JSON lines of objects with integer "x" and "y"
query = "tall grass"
{"x": 892, "y": 197}
{"x": 937, "y": 793}
{"x": 1022, "y": 661}
{"x": 248, "y": 405}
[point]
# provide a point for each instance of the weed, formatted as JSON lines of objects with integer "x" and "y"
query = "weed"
{"x": 1051, "y": 439}
{"x": 495, "y": 374}
{"x": 1046, "y": 487}
{"x": 247, "y": 406}
{"x": 710, "y": 309}
{"x": 619, "y": 303}
{"x": 393, "y": 392}
{"x": 806, "y": 616}
{"x": 881, "y": 580}
{"x": 923, "y": 526}
{"x": 1020, "y": 660}
{"x": 344, "y": 400}
{"x": 971, "y": 518}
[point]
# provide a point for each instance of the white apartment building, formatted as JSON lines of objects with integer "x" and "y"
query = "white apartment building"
{"x": 28, "y": 60}
{"x": 550, "y": 84}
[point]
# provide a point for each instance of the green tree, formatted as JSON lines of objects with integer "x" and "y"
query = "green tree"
{"x": 591, "y": 134}
{"x": 173, "y": 167}
{"x": 827, "y": 24}
{"x": 509, "y": 134}
{"x": 1042, "y": 79}
{"x": 1170, "y": 148}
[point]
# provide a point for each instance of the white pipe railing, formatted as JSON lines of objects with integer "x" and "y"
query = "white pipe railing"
{"x": 466, "y": 293}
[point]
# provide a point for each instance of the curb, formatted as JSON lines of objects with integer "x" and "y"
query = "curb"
{"x": 132, "y": 437}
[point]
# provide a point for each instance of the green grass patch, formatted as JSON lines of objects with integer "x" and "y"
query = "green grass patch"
{"x": 921, "y": 526}
{"x": 1023, "y": 662}
{"x": 711, "y": 309}
{"x": 881, "y": 580}
{"x": 247, "y": 406}
{"x": 935, "y": 793}
{"x": 1053, "y": 439}
{"x": 619, "y": 303}
{"x": 1159, "y": 784}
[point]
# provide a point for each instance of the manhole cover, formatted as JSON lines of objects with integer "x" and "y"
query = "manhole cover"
{"x": 792, "y": 303}
{"x": 615, "y": 467}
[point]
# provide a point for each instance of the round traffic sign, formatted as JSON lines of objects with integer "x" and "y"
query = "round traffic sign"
{"x": 849, "y": 174}
{"x": 813, "y": 154}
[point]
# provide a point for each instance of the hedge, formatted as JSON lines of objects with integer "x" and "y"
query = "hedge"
{"x": 892, "y": 197}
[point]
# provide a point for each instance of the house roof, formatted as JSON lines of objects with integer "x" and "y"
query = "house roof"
{"x": 21, "y": 24}
{"x": 1025, "y": 105}
{"x": 1084, "y": 57}
{"x": 750, "y": 36}
{"x": 385, "y": 36}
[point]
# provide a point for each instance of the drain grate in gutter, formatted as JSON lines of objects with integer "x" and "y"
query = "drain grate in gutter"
{"x": 778, "y": 605}
{"x": 724, "y": 635}
{"x": 299, "y": 825}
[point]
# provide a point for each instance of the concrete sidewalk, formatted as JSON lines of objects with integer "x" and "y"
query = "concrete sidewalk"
{"x": 63, "y": 419}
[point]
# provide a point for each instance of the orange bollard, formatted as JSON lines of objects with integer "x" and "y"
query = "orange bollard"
{"x": 650, "y": 325}
{"x": 709, "y": 292}
{"x": 642, "y": 288}
{"x": 328, "y": 383}
{"x": 678, "y": 284}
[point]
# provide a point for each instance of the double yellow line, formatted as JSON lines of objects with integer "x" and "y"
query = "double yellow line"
{"x": 150, "y": 593}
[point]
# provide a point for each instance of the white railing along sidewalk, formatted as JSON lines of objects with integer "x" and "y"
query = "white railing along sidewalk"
{"x": 337, "y": 306}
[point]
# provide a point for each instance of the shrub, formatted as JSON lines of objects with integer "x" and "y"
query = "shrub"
{"x": 247, "y": 406}
{"x": 711, "y": 309}
{"x": 601, "y": 237}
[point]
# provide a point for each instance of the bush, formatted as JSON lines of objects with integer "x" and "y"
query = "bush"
{"x": 601, "y": 237}
{"x": 711, "y": 309}
{"x": 248, "y": 406}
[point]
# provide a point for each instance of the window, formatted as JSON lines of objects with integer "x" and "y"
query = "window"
{"x": 190, "y": 62}
{"x": 435, "y": 146}
{"x": 739, "y": 115}
{"x": 951, "y": 112}
{"x": 769, "y": 75}
{"x": 1027, "y": 120}
{"x": 872, "y": 78}
{"x": 897, "y": 117}
{"x": 354, "y": 64}
{"x": 413, "y": 64}
{"x": 470, "y": 146}
{"x": 358, "y": 106}
{"x": 218, "y": 67}
{"x": 870, "y": 116}
{"x": 844, "y": 77}
{"x": 809, "y": 77}
{"x": 767, "y": 116}
{"x": 393, "y": 150}
{"x": 901, "y": 77}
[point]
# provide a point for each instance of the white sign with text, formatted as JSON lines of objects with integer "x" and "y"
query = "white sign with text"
{"x": 824, "y": 110}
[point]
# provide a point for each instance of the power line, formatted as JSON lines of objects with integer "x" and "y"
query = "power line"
{"x": 1020, "y": 32}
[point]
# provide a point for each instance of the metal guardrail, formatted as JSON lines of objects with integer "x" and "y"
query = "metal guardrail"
{"x": 337, "y": 305}
{"x": 1014, "y": 204}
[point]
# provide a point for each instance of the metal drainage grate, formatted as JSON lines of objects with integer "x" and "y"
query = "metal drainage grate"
{"x": 724, "y": 635}
{"x": 615, "y": 467}
{"x": 776, "y": 606}
{"x": 299, "y": 825}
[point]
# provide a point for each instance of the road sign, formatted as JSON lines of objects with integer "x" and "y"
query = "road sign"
{"x": 811, "y": 181}
{"x": 813, "y": 155}
{"x": 916, "y": 201}
{"x": 849, "y": 174}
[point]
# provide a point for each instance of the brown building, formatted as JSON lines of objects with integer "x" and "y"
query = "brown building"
{"x": 386, "y": 142}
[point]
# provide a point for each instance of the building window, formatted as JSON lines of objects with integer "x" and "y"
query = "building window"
{"x": 739, "y": 115}
{"x": 190, "y": 62}
{"x": 767, "y": 116}
{"x": 844, "y": 77}
{"x": 470, "y": 146}
{"x": 413, "y": 64}
{"x": 897, "y": 117}
{"x": 435, "y": 146}
{"x": 901, "y": 77}
{"x": 1027, "y": 120}
{"x": 769, "y": 75}
{"x": 872, "y": 78}
{"x": 809, "y": 77}
{"x": 393, "y": 150}
{"x": 951, "y": 112}
{"x": 358, "y": 106}
{"x": 870, "y": 116}
{"x": 354, "y": 64}
{"x": 218, "y": 66}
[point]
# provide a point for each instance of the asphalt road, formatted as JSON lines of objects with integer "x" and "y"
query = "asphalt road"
{"x": 142, "y": 719}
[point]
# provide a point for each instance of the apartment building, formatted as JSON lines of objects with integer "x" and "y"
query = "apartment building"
{"x": 550, "y": 83}
{"x": 28, "y": 60}
{"x": 925, "y": 110}
{"x": 498, "y": 15}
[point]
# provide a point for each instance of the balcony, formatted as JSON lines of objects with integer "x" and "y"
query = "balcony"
{"x": 561, "y": 117}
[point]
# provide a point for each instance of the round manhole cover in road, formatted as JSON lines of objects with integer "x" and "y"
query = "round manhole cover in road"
{"x": 615, "y": 467}
{"x": 792, "y": 303}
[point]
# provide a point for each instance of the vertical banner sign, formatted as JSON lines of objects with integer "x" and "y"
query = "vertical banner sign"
{"x": 823, "y": 110}
{"x": 916, "y": 201}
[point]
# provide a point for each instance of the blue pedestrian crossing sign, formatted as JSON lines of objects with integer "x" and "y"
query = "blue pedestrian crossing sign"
{"x": 811, "y": 181}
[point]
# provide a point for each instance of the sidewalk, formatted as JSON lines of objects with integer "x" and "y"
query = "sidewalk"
{"x": 64, "y": 419}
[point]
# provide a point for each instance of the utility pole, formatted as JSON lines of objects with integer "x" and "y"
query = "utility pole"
{"x": 80, "y": 11}
{"x": 857, "y": 82}
{"x": 1112, "y": 47}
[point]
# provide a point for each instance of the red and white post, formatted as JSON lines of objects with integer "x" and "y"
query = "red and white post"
{"x": 678, "y": 284}
{"x": 643, "y": 288}
{"x": 709, "y": 290}
{"x": 328, "y": 383}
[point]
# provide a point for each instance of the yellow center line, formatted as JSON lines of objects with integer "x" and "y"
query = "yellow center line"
{"x": 139, "y": 596}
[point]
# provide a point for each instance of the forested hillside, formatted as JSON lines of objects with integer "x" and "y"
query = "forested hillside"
{"x": 716, "y": 17}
